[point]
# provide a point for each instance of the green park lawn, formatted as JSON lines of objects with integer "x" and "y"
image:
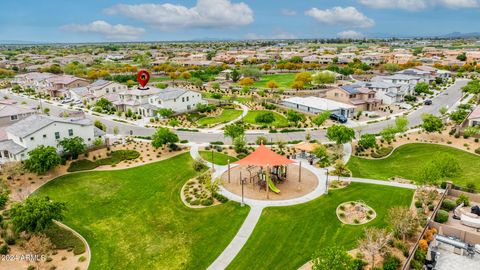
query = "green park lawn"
{"x": 407, "y": 161}
{"x": 284, "y": 80}
{"x": 218, "y": 158}
{"x": 280, "y": 120}
{"x": 135, "y": 219}
{"x": 287, "y": 237}
{"x": 226, "y": 116}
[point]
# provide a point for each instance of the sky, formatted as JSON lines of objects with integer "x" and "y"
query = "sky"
{"x": 168, "y": 20}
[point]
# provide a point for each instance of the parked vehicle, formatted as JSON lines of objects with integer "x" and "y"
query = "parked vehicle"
{"x": 427, "y": 102}
{"x": 65, "y": 101}
{"x": 338, "y": 117}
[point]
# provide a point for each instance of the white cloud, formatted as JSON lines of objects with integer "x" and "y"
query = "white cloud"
{"x": 454, "y": 4}
{"x": 416, "y": 5}
{"x": 350, "y": 34}
{"x": 205, "y": 14}
{"x": 411, "y": 5}
{"x": 348, "y": 17}
{"x": 288, "y": 12}
{"x": 109, "y": 31}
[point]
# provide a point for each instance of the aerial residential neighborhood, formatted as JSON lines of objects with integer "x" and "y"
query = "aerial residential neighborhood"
{"x": 240, "y": 134}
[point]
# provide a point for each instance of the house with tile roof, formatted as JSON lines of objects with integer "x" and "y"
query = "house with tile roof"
{"x": 356, "y": 95}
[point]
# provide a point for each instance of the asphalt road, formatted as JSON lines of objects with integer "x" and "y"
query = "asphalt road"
{"x": 447, "y": 98}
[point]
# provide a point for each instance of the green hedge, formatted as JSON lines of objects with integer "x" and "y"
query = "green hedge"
{"x": 64, "y": 239}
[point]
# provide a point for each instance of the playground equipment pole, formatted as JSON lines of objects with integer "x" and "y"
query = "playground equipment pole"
{"x": 266, "y": 179}
{"x": 300, "y": 172}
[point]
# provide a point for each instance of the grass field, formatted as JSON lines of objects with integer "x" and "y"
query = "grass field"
{"x": 226, "y": 116}
{"x": 407, "y": 160}
{"x": 280, "y": 120}
{"x": 134, "y": 218}
{"x": 284, "y": 80}
{"x": 219, "y": 158}
{"x": 286, "y": 237}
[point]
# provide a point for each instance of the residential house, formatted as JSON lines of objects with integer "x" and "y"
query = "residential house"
{"x": 25, "y": 135}
{"x": 389, "y": 93}
{"x": 57, "y": 86}
{"x": 177, "y": 99}
{"x": 10, "y": 112}
{"x": 473, "y": 118}
{"x": 361, "y": 97}
{"x": 147, "y": 102}
{"x": 316, "y": 105}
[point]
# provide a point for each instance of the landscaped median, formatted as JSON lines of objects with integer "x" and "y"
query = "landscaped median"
{"x": 135, "y": 219}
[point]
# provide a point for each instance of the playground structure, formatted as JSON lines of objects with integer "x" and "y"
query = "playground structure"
{"x": 265, "y": 174}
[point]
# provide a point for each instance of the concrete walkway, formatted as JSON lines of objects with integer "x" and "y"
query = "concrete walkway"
{"x": 379, "y": 182}
{"x": 347, "y": 152}
{"x": 245, "y": 110}
{"x": 237, "y": 243}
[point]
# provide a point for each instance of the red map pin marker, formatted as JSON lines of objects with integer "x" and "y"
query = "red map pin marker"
{"x": 143, "y": 77}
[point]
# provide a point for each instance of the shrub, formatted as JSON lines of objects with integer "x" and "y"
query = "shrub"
{"x": 423, "y": 244}
{"x": 448, "y": 205}
{"x": 382, "y": 152}
{"x": 477, "y": 150}
{"x": 206, "y": 202}
{"x": 463, "y": 199}
{"x": 442, "y": 216}
{"x": 358, "y": 264}
{"x": 431, "y": 207}
{"x": 391, "y": 263}
{"x": 220, "y": 197}
{"x": 401, "y": 246}
{"x": 418, "y": 204}
{"x": 4, "y": 249}
{"x": 199, "y": 165}
{"x": 471, "y": 187}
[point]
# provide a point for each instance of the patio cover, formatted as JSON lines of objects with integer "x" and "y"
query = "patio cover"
{"x": 263, "y": 156}
{"x": 306, "y": 146}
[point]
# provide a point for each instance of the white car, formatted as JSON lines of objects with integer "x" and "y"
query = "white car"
{"x": 65, "y": 101}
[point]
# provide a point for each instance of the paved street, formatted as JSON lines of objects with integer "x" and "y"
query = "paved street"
{"x": 448, "y": 98}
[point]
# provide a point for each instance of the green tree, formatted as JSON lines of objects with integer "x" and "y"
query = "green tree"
{"x": 401, "y": 124}
{"x": 367, "y": 141}
{"x": 462, "y": 57}
{"x": 104, "y": 104}
{"x": 320, "y": 152}
{"x": 239, "y": 144}
{"x": 340, "y": 134}
{"x": 73, "y": 146}
{"x": 388, "y": 133}
{"x": 165, "y": 112}
{"x": 100, "y": 125}
{"x": 324, "y": 78}
{"x": 431, "y": 123}
{"x": 36, "y": 214}
{"x": 163, "y": 136}
{"x": 235, "y": 75}
{"x": 42, "y": 159}
{"x": 332, "y": 258}
{"x": 295, "y": 117}
{"x": 321, "y": 118}
{"x": 233, "y": 131}
{"x": 265, "y": 118}
{"x": 422, "y": 87}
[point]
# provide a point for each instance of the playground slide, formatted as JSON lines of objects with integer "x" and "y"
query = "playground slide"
{"x": 272, "y": 186}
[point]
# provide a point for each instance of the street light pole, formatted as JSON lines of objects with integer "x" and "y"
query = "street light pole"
{"x": 326, "y": 184}
{"x": 213, "y": 168}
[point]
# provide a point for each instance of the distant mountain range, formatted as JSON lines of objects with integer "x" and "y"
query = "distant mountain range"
{"x": 206, "y": 39}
